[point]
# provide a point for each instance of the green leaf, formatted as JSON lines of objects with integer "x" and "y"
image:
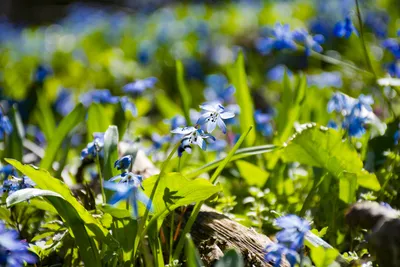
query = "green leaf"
{"x": 253, "y": 174}
{"x": 323, "y": 257}
{"x": 348, "y": 187}
{"x": 28, "y": 193}
{"x": 110, "y": 152}
{"x": 62, "y": 132}
{"x": 166, "y": 106}
{"x": 186, "y": 98}
{"x": 192, "y": 255}
{"x": 231, "y": 259}
{"x": 45, "y": 117}
{"x": 115, "y": 212}
{"x": 322, "y": 147}
{"x": 175, "y": 190}
{"x": 14, "y": 140}
{"x": 97, "y": 121}
{"x": 238, "y": 77}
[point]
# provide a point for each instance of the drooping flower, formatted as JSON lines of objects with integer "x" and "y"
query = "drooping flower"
{"x": 214, "y": 115}
{"x": 279, "y": 38}
{"x": 310, "y": 42}
{"x": 102, "y": 96}
{"x": 293, "y": 231}
{"x": 127, "y": 105}
{"x": 13, "y": 252}
{"x": 275, "y": 252}
{"x": 218, "y": 89}
{"x": 344, "y": 28}
{"x": 191, "y": 135}
{"x": 139, "y": 86}
{"x": 123, "y": 163}
{"x": 5, "y": 126}
{"x": 131, "y": 191}
{"x": 263, "y": 123}
{"x": 64, "y": 103}
{"x": 93, "y": 147}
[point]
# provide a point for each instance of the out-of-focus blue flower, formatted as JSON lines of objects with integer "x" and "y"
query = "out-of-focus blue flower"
{"x": 41, "y": 73}
{"x": 263, "y": 123}
{"x": 176, "y": 121}
{"x": 393, "y": 46}
{"x": 277, "y": 73}
{"x": 326, "y": 79}
{"x": 214, "y": 115}
{"x": 279, "y": 38}
{"x": 191, "y": 135}
{"x": 127, "y": 177}
{"x": 344, "y": 28}
{"x": 130, "y": 191}
{"x": 127, "y": 105}
{"x": 36, "y": 134}
{"x": 103, "y": 96}
{"x": 310, "y": 42}
{"x": 123, "y": 163}
{"x": 218, "y": 146}
{"x": 332, "y": 124}
{"x": 393, "y": 69}
{"x": 14, "y": 183}
{"x": 158, "y": 142}
{"x": 218, "y": 89}
{"x": 293, "y": 231}
{"x": 13, "y": 252}
{"x": 64, "y": 103}
{"x": 94, "y": 147}
{"x": 356, "y": 112}
{"x": 139, "y": 86}
{"x": 377, "y": 21}
{"x": 276, "y": 251}
{"x": 7, "y": 170}
{"x": 5, "y": 126}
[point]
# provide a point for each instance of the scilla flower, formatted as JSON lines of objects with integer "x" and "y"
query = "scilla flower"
{"x": 123, "y": 163}
{"x": 276, "y": 251}
{"x": 191, "y": 135}
{"x": 309, "y": 42}
{"x": 293, "y": 231}
{"x": 5, "y": 126}
{"x": 214, "y": 115}
{"x": 94, "y": 147}
{"x": 139, "y": 86}
{"x": 344, "y": 28}
{"x": 127, "y": 105}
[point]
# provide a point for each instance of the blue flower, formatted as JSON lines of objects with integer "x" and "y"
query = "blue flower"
{"x": 128, "y": 105}
{"x": 176, "y": 121}
{"x": 191, "y": 135}
{"x": 310, "y": 42}
{"x": 344, "y": 28}
{"x": 15, "y": 183}
{"x": 41, "y": 73}
{"x": 293, "y": 231}
{"x": 263, "y": 123}
{"x": 129, "y": 190}
{"x": 137, "y": 87}
{"x": 123, "y": 163}
{"x": 5, "y": 126}
{"x": 279, "y": 38}
{"x": 214, "y": 115}
{"x": 94, "y": 147}
{"x": 218, "y": 89}
{"x": 277, "y": 73}
{"x": 276, "y": 251}
{"x": 13, "y": 252}
{"x": 7, "y": 170}
{"x": 393, "y": 46}
{"x": 332, "y": 124}
{"x": 393, "y": 69}
{"x": 64, "y": 103}
{"x": 103, "y": 96}
{"x": 158, "y": 142}
{"x": 326, "y": 79}
{"x": 377, "y": 21}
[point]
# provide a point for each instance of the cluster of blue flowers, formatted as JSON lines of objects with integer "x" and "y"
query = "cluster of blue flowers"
{"x": 344, "y": 29}
{"x": 11, "y": 181}
{"x": 393, "y": 46}
{"x": 356, "y": 113}
{"x": 290, "y": 240}
{"x": 5, "y": 126}
{"x": 13, "y": 252}
{"x": 129, "y": 186}
{"x": 281, "y": 37}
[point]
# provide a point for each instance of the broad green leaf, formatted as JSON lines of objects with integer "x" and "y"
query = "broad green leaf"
{"x": 14, "y": 145}
{"x": 63, "y": 131}
{"x": 238, "y": 77}
{"x": 111, "y": 139}
{"x": 175, "y": 190}
{"x": 323, "y": 257}
{"x": 253, "y": 174}
{"x": 28, "y": 193}
{"x": 186, "y": 97}
{"x": 97, "y": 120}
{"x": 45, "y": 117}
{"x": 348, "y": 187}
{"x": 115, "y": 212}
{"x": 125, "y": 232}
{"x": 166, "y": 106}
{"x": 42, "y": 204}
{"x": 192, "y": 255}
{"x": 231, "y": 259}
{"x": 322, "y": 147}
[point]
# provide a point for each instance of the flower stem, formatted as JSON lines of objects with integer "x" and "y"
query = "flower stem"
{"x": 171, "y": 238}
{"x": 100, "y": 178}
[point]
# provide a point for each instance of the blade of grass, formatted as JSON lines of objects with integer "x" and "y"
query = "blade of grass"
{"x": 186, "y": 98}
{"x": 213, "y": 179}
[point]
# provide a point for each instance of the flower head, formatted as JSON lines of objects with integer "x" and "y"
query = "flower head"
{"x": 94, "y": 147}
{"x": 128, "y": 105}
{"x": 64, "y": 103}
{"x": 214, "y": 115}
{"x": 309, "y": 42}
{"x": 276, "y": 251}
{"x": 13, "y": 252}
{"x": 7, "y": 170}
{"x": 139, "y": 86}
{"x": 191, "y": 135}
{"x": 5, "y": 126}
{"x": 293, "y": 231}
{"x": 218, "y": 89}
{"x": 103, "y": 96}
{"x": 263, "y": 123}
{"x": 279, "y": 38}
{"x": 123, "y": 163}
{"x": 344, "y": 28}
